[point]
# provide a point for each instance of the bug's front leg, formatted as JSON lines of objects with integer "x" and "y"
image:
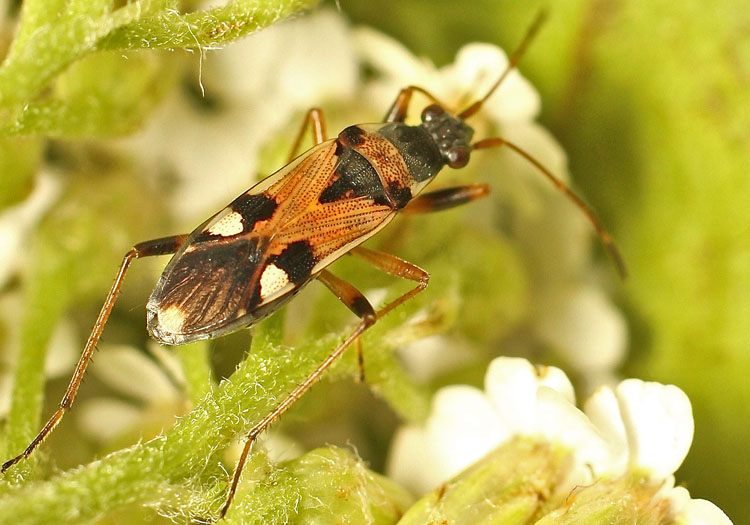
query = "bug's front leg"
{"x": 162, "y": 246}
{"x": 315, "y": 119}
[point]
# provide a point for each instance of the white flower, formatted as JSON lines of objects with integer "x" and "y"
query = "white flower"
{"x": 155, "y": 384}
{"x": 260, "y": 83}
{"x": 16, "y": 222}
{"x": 581, "y": 324}
{"x": 639, "y": 429}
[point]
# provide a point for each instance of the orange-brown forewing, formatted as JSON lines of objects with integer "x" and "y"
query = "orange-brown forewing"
{"x": 251, "y": 257}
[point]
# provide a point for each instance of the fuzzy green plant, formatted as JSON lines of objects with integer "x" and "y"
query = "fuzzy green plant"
{"x": 180, "y": 469}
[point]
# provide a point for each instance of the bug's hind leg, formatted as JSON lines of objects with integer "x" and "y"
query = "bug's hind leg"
{"x": 163, "y": 246}
{"x": 356, "y": 302}
{"x": 315, "y": 119}
{"x": 397, "y": 267}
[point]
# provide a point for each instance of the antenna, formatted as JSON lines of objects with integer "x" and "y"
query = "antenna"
{"x": 514, "y": 59}
{"x": 604, "y": 235}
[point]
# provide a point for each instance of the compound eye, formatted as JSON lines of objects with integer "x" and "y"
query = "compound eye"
{"x": 458, "y": 157}
{"x": 432, "y": 112}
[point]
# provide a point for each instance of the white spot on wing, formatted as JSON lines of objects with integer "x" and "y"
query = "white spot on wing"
{"x": 171, "y": 319}
{"x": 230, "y": 224}
{"x": 272, "y": 280}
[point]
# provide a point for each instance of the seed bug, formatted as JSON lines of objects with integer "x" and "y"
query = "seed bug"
{"x": 250, "y": 258}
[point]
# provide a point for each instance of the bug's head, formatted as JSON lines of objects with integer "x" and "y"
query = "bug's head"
{"x": 451, "y": 134}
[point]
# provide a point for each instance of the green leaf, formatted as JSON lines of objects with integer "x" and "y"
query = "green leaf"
{"x": 52, "y": 37}
{"x": 102, "y": 94}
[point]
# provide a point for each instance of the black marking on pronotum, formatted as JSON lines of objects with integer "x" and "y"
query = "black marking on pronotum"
{"x": 351, "y": 136}
{"x": 297, "y": 260}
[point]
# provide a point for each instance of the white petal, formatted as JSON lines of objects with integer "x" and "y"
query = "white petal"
{"x": 659, "y": 424}
{"x": 554, "y": 378}
{"x": 389, "y": 57}
{"x": 17, "y": 221}
{"x": 105, "y": 419}
{"x": 463, "y": 427}
{"x": 581, "y": 323}
{"x": 6, "y": 387}
{"x": 280, "y": 447}
{"x": 561, "y": 422}
{"x": 64, "y": 349}
{"x": 703, "y": 512}
{"x": 396, "y": 68}
{"x": 169, "y": 360}
{"x": 604, "y": 412}
{"x": 413, "y": 463}
{"x": 126, "y": 369}
{"x": 430, "y": 356}
{"x": 300, "y": 62}
{"x": 511, "y": 385}
{"x": 478, "y": 66}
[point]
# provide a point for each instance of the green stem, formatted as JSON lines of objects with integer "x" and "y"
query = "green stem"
{"x": 196, "y": 368}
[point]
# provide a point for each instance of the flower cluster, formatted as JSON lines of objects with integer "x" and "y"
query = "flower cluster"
{"x": 635, "y": 435}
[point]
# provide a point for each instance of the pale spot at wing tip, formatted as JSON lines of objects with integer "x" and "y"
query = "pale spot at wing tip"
{"x": 171, "y": 319}
{"x": 230, "y": 224}
{"x": 272, "y": 280}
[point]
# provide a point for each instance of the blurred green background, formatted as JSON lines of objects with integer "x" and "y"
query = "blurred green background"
{"x": 651, "y": 102}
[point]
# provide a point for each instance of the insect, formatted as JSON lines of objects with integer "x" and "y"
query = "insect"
{"x": 253, "y": 256}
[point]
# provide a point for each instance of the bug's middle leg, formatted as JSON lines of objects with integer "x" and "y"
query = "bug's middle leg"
{"x": 315, "y": 119}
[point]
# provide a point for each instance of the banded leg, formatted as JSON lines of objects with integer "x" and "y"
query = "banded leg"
{"x": 317, "y": 122}
{"x": 162, "y": 246}
{"x": 358, "y": 304}
{"x": 400, "y": 106}
{"x": 446, "y": 198}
